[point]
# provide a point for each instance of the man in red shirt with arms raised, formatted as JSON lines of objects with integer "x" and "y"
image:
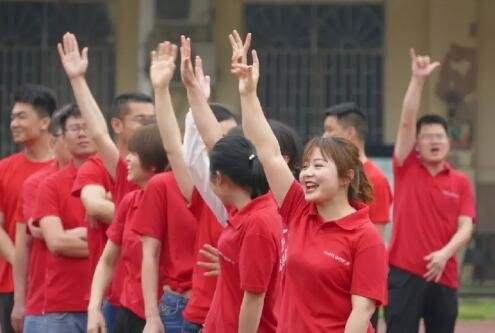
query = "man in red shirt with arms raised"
{"x": 434, "y": 212}
{"x": 32, "y": 108}
{"x": 107, "y": 172}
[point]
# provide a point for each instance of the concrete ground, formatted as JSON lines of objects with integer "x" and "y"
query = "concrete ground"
{"x": 464, "y": 326}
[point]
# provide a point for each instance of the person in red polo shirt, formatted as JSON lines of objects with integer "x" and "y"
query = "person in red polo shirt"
{"x": 30, "y": 248}
{"x": 105, "y": 175}
{"x": 146, "y": 157}
{"x": 67, "y": 274}
{"x": 347, "y": 121}
{"x": 433, "y": 217}
{"x": 335, "y": 274}
{"x": 32, "y": 108}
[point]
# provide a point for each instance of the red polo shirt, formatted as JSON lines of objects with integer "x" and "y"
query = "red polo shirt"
{"x": 14, "y": 170}
{"x": 426, "y": 212}
{"x": 35, "y": 293}
{"x": 120, "y": 232}
{"x": 67, "y": 279}
{"x": 250, "y": 259}
{"x": 203, "y": 287}
{"x": 164, "y": 215}
{"x": 327, "y": 263}
{"x": 94, "y": 172}
{"x": 382, "y": 195}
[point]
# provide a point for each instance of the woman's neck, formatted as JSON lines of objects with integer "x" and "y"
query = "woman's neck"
{"x": 240, "y": 199}
{"x": 336, "y": 207}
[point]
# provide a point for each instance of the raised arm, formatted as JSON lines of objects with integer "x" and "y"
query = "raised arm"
{"x": 421, "y": 68}
{"x": 75, "y": 64}
{"x": 254, "y": 123}
{"x": 161, "y": 72}
{"x": 205, "y": 120}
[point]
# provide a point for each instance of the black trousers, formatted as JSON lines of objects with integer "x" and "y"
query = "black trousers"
{"x": 128, "y": 322}
{"x": 6, "y": 304}
{"x": 411, "y": 298}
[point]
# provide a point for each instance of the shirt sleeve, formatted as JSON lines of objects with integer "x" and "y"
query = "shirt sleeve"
{"x": 47, "y": 204}
{"x": 88, "y": 174}
{"x": 382, "y": 199}
{"x": 198, "y": 164}
{"x": 258, "y": 259}
{"x": 115, "y": 231}
{"x": 369, "y": 273}
{"x": 468, "y": 203}
{"x": 19, "y": 210}
{"x": 401, "y": 168}
{"x": 152, "y": 211}
{"x": 293, "y": 204}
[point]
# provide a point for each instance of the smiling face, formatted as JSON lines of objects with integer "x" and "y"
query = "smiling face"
{"x": 319, "y": 178}
{"x": 432, "y": 143}
{"x": 136, "y": 173}
{"x": 76, "y": 139}
{"x": 26, "y": 124}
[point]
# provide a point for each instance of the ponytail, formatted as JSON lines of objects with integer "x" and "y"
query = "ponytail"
{"x": 360, "y": 187}
{"x": 235, "y": 157}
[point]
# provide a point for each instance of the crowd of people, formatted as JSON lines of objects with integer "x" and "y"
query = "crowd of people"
{"x": 227, "y": 228}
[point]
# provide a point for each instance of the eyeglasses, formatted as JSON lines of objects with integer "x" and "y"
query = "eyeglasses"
{"x": 76, "y": 128}
{"x": 433, "y": 137}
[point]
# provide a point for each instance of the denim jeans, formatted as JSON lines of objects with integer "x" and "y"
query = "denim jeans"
{"x": 66, "y": 322}
{"x": 34, "y": 324}
{"x": 171, "y": 307}
{"x": 110, "y": 314}
{"x": 189, "y": 327}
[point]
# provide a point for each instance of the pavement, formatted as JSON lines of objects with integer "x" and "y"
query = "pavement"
{"x": 462, "y": 326}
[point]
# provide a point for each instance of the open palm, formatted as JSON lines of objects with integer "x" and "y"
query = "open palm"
{"x": 163, "y": 64}
{"x": 75, "y": 63}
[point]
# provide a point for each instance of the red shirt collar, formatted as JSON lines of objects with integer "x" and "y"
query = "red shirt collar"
{"x": 238, "y": 217}
{"x": 348, "y": 222}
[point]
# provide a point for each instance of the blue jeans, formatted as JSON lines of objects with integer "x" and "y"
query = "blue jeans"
{"x": 34, "y": 324}
{"x": 110, "y": 314}
{"x": 66, "y": 322}
{"x": 171, "y": 307}
{"x": 189, "y": 327}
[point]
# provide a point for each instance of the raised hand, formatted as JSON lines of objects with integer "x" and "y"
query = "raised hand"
{"x": 163, "y": 64}
{"x": 248, "y": 74}
{"x": 75, "y": 63}
{"x": 193, "y": 76}
{"x": 421, "y": 66}
{"x": 203, "y": 80}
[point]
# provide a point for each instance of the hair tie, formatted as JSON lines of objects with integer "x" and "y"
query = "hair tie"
{"x": 252, "y": 157}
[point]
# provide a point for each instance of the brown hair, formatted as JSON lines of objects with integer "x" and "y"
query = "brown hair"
{"x": 147, "y": 143}
{"x": 346, "y": 157}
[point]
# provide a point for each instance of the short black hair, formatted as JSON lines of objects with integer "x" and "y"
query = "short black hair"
{"x": 349, "y": 114}
{"x": 429, "y": 119}
{"x": 42, "y": 98}
{"x": 55, "y": 124}
{"x": 119, "y": 105}
{"x": 222, "y": 112}
{"x": 68, "y": 110}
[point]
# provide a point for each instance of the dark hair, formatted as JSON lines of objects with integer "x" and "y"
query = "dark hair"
{"x": 222, "y": 112}
{"x": 40, "y": 97}
{"x": 55, "y": 124}
{"x": 350, "y": 115}
{"x": 120, "y": 103}
{"x": 429, "y": 119}
{"x": 289, "y": 141}
{"x": 68, "y": 110}
{"x": 345, "y": 155}
{"x": 147, "y": 144}
{"x": 235, "y": 157}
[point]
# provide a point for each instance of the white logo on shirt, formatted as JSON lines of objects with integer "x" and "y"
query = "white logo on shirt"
{"x": 337, "y": 258}
{"x": 450, "y": 194}
{"x": 283, "y": 255}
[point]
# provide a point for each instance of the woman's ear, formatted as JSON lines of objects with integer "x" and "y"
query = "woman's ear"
{"x": 347, "y": 179}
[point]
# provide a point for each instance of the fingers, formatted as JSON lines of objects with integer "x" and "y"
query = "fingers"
{"x": 85, "y": 53}
{"x": 256, "y": 61}
{"x": 208, "y": 265}
{"x": 208, "y": 255}
{"x": 60, "y": 50}
{"x": 211, "y": 273}
{"x": 198, "y": 68}
{"x": 435, "y": 65}
{"x": 247, "y": 45}
{"x": 211, "y": 248}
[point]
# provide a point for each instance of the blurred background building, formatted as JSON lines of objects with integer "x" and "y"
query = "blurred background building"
{"x": 313, "y": 54}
